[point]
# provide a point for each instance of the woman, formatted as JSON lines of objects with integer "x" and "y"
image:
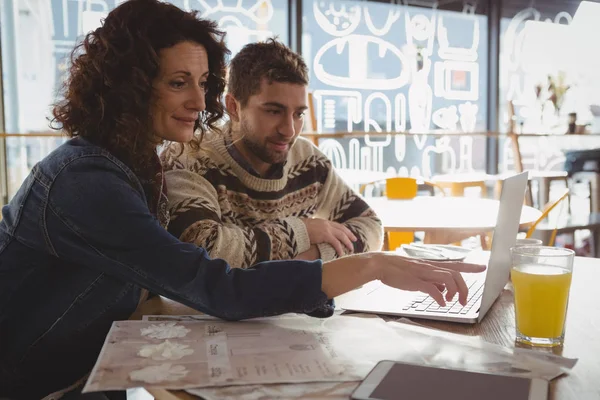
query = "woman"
{"x": 83, "y": 238}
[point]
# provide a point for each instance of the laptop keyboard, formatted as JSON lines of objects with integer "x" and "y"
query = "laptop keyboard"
{"x": 426, "y": 303}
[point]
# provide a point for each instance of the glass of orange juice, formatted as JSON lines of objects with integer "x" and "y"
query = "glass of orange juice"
{"x": 541, "y": 278}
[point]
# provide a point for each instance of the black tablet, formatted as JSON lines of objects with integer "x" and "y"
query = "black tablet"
{"x": 391, "y": 380}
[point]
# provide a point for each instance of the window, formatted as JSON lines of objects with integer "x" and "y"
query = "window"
{"x": 379, "y": 67}
{"x": 548, "y": 75}
{"x": 38, "y": 35}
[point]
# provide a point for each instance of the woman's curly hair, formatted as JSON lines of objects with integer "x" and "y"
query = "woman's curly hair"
{"x": 108, "y": 95}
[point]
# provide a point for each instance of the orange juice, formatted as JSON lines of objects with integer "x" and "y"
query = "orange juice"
{"x": 541, "y": 297}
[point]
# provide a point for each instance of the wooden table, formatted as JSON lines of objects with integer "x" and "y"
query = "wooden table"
{"x": 498, "y": 326}
{"x": 581, "y": 337}
{"x": 443, "y": 218}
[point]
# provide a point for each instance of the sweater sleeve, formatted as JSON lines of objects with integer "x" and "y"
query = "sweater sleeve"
{"x": 342, "y": 204}
{"x": 197, "y": 217}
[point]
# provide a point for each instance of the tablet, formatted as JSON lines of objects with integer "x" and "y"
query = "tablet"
{"x": 391, "y": 380}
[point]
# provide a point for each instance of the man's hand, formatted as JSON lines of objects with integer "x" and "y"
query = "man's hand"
{"x": 309, "y": 255}
{"x": 325, "y": 231}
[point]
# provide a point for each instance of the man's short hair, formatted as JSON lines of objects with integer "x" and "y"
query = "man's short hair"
{"x": 271, "y": 60}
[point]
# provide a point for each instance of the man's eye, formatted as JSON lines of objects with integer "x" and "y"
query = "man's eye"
{"x": 300, "y": 115}
{"x": 273, "y": 112}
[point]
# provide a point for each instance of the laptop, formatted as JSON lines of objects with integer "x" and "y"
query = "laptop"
{"x": 484, "y": 288}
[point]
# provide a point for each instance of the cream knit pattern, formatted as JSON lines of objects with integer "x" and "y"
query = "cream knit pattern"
{"x": 218, "y": 205}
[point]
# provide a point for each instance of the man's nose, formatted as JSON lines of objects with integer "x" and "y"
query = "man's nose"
{"x": 287, "y": 127}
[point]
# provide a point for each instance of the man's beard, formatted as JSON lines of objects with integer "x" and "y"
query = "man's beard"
{"x": 260, "y": 150}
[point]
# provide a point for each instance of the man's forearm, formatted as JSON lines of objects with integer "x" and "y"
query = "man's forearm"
{"x": 369, "y": 231}
{"x": 309, "y": 255}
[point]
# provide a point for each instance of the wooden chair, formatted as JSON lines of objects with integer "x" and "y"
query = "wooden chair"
{"x": 310, "y": 123}
{"x": 545, "y": 211}
{"x": 404, "y": 188}
{"x": 457, "y": 183}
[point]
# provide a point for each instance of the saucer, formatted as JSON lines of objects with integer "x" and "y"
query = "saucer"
{"x": 435, "y": 252}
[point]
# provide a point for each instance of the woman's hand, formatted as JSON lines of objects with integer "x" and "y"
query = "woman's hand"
{"x": 431, "y": 277}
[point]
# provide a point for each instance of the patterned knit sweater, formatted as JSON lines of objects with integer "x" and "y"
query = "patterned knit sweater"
{"x": 217, "y": 204}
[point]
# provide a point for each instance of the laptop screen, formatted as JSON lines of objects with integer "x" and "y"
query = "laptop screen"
{"x": 505, "y": 236}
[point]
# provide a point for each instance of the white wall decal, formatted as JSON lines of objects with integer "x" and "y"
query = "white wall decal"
{"x": 333, "y": 103}
{"x": 335, "y": 22}
{"x": 458, "y": 53}
{"x": 468, "y": 116}
{"x": 445, "y": 78}
{"x": 356, "y": 46}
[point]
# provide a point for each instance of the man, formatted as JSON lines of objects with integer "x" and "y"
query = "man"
{"x": 257, "y": 191}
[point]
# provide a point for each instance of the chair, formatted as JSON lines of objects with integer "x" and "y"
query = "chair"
{"x": 457, "y": 183}
{"x": 546, "y": 210}
{"x": 543, "y": 178}
{"x": 310, "y": 123}
{"x": 403, "y": 188}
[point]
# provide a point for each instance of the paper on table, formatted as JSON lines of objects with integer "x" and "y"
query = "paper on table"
{"x": 427, "y": 341}
{"x": 280, "y": 350}
{"x": 304, "y": 391}
{"x": 450, "y": 350}
{"x": 437, "y": 348}
{"x": 564, "y": 362}
{"x": 198, "y": 317}
{"x": 267, "y": 350}
{"x": 518, "y": 356}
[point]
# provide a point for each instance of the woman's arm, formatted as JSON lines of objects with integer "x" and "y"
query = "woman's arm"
{"x": 97, "y": 217}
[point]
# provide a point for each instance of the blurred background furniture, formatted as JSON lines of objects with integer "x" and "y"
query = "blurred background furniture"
{"x": 404, "y": 188}
{"x": 457, "y": 183}
{"x": 543, "y": 179}
{"x": 443, "y": 219}
{"x": 545, "y": 213}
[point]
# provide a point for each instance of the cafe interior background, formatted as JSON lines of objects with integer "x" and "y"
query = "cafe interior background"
{"x": 458, "y": 92}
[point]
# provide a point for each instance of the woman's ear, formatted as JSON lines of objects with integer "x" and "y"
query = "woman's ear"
{"x": 233, "y": 107}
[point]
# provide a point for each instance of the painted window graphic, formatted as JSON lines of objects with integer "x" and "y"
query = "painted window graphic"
{"x": 375, "y": 67}
{"x": 38, "y": 36}
{"x": 395, "y": 68}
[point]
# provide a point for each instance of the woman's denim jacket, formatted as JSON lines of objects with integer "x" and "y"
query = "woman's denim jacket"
{"x": 77, "y": 245}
